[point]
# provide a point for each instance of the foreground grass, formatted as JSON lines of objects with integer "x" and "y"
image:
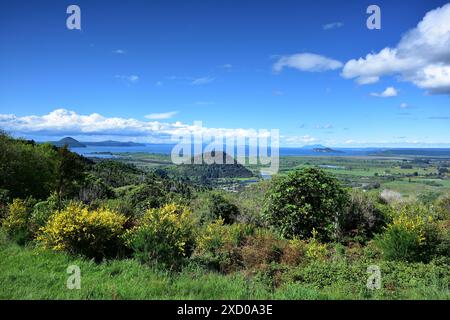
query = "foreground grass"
{"x": 30, "y": 273}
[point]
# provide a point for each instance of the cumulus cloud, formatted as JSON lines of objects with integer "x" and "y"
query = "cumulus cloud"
{"x": 389, "y": 92}
{"x": 307, "y": 62}
{"x": 161, "y": 116}
{"x": 333, "y": 25}
{"x": 62, "y": 122}
{"x": 422, "y": 56}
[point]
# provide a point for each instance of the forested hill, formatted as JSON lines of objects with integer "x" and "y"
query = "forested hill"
{"x": 199, "y": 169}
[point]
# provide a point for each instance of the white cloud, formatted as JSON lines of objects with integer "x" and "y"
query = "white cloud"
{"x": 307, "y": 62}
{"x": 389, "y": 92}
{"x": 161, "y": 116}
{"x": 131, "y": 78}
{"x": 120, "y": 51}
{"x": 202, "y": 81}
{"x": 333, "y": 25}
{"x": 227, "y": 66}
{"x": 422, "y": 56}
{"x": 62, "y": 122}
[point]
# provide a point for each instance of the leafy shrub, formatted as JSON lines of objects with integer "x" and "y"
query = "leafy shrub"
{"x": 145, "y": 196}
{"x": 4, "y": 199}
{"x": 211, "y": 206}
{"x": 221, "y": 207}
{"x": 316, "y": 250}
{"x": 16, "y": 222}
{"x": 42, "y": 211}
{"x": 362, "y": 219}
{"x": 304, "y": 200}
{"x": 218, "y": 244}
{"x": 411, "y": 236}
{"x": 94, "y": 188}
{"x": 442, "y": 206}
{"x": 261, "y": 250}
{"x": 165, "y": 236}
{"x": 294, "y": 252}
{"x": 95, "y": 234}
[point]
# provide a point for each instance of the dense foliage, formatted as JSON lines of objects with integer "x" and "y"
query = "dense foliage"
{"x": 304, "y": 201}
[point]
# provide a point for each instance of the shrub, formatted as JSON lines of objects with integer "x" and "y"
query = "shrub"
{"x": 165, "y": 236}
{"x": 411, "y": 236}
{"x": 42, "y": 211}
{"x": 442, "y": 205}
{"x": 217, "y": 244}
{"x": 316, "y": 250}
{"x": 16, "y": 223}
{"x": 214, "y": 205}
{"x": 362, "y": 219}
{"x": 221, "y": 207}
{"x": 4, "y": 199}
{"x": 261, "y": 250}
{"x": 305, "y": 199}
{"x": 294, "y": 252}
{"x": 95, "y": 234}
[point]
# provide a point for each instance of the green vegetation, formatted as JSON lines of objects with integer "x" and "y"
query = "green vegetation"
{"x": 156, "y": 232}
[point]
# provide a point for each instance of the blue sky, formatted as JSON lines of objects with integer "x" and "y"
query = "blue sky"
{"x": 137, "y": 70}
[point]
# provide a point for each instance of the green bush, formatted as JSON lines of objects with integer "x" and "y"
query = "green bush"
{"x": 413, "y": 235}
{"x": 42, "y": 211}
{"x": 221, "y": 207}
{"x": 217, "y": 245}
{"x": 214, "y": 205}
{"x": 165, "y": 236}
{"x": 362, "y": 218}
{"x": 442, "y": 205}
{"x": 305, "y": 200}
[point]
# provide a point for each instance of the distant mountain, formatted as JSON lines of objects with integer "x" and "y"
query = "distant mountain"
{"x": 314, "y": 146}
{"x": 326, "y": 150}
{"x": 73, "y": 143}
{"x": 68, "y": 141}
{"x": 111, "y": 143}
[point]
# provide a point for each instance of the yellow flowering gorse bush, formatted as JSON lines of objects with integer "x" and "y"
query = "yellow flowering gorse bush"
{"x": 316, "y": 250}
{"x": 97, "y": 233}
{"x": 165, "y": 235}
{"x": 17, "y": 217}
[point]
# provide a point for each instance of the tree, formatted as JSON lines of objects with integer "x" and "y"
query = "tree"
{"x": 26, "y": 168}
{"x": 221, "y": 207}
{"x": 303, "y": 201}
{"x": 69, "y": 172}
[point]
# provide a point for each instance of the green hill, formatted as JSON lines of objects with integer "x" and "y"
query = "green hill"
{"x": 70, "y": 142}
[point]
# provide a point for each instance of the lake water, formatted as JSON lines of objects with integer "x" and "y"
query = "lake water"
{"x": 107, "y": 152}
